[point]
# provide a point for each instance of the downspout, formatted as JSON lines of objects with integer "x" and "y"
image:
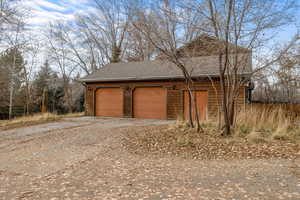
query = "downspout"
{"x": 249, "y": 89}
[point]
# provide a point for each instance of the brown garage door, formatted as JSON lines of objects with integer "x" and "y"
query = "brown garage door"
{"x": 201, "y": 99}
{"x": 109, "y": 102}
{"x": 150, "y": 103}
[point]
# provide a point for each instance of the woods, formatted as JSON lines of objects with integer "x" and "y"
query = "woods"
{"x": 40, "y": 69}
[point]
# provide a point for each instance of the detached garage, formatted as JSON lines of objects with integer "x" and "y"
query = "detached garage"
{"x": 157, "y": 90}
{"x": 154, "y": 90}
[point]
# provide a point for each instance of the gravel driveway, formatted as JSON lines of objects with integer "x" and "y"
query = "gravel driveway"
{"x": 83, "y": 158}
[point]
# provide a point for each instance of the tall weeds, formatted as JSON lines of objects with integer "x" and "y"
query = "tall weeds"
{"x": 275, "y": 122}
{"x": 259, "y": 123}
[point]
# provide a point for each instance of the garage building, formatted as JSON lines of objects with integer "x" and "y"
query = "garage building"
{"x": 155, "y": 89}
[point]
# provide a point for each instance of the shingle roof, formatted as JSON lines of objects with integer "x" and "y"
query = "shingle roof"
{"x": 203, "y": 66}
{"x": 206, "y": 45}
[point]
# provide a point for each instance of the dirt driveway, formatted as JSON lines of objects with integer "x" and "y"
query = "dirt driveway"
{"x": 83, "y": 158}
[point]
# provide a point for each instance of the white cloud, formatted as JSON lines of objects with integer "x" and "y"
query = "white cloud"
{"x": 42, "y": 11}
{"x": 48, "y": 5}
{"x": 41, "y": 18}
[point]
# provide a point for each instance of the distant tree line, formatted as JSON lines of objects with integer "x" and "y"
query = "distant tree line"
{"x": 281, "y": 82}
{"x": 46, "y": 90}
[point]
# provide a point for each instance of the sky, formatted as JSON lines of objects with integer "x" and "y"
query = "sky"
{"x": 44, "y": 11}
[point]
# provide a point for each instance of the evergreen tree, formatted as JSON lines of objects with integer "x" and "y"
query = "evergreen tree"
{"x": 48, "y": 80}
{"x": 44, "y": 77}
{"x": 42, "y": 84}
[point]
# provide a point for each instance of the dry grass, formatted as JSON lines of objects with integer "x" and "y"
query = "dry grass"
{"x": 268, "y": 123}
{"x": 34, "y": 119}
{"x": 180, "y": 140}
{"x": 259, "y": 123}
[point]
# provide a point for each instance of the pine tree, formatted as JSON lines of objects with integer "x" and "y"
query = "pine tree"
{"x": 42, "y": 86}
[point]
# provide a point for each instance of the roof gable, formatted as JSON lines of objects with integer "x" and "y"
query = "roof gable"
{"x": 205, "y": 45}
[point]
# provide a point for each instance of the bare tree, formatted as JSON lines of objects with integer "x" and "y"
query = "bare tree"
{"x": 8, "y": 13}
{"x": 82, "y": 53}
{"x": 15, "y": 42}
{"x": 139, "y": 48}
{"x": 288, "y": 73}
{"x": 162, "y": 28}
{"x": 107, "y": 28}
{"x": 31, "y": 52}
{"x": 60, "y": 53}
{"x": 280, "y": 82}
{"x": 239, "y": 23}
{"x": 12, "y": 41}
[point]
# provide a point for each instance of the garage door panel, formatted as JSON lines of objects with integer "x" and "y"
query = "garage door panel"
{"x": 149, "y": 103}
{"x": 109, "y": 102}
{"x": 202, "y": 102}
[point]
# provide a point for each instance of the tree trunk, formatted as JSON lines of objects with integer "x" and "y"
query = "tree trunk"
{"x": 27, "y": 99}
{"x": 27, "y": 107}
{"x": 68, "y": 99}
{"x": 12, "y": 85}
{"x": 44, "y": 101}
{"x": 231, "y": 113}
{"x": 193, "y": 106}
{"x": 224, "y": 100}
{"x": 11, "y": 92}
{"x": 199, "y": 128}
{"x": 190, "y": 107}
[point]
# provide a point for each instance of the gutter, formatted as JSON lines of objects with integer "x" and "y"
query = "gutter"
{"x": 149, "y": 78}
